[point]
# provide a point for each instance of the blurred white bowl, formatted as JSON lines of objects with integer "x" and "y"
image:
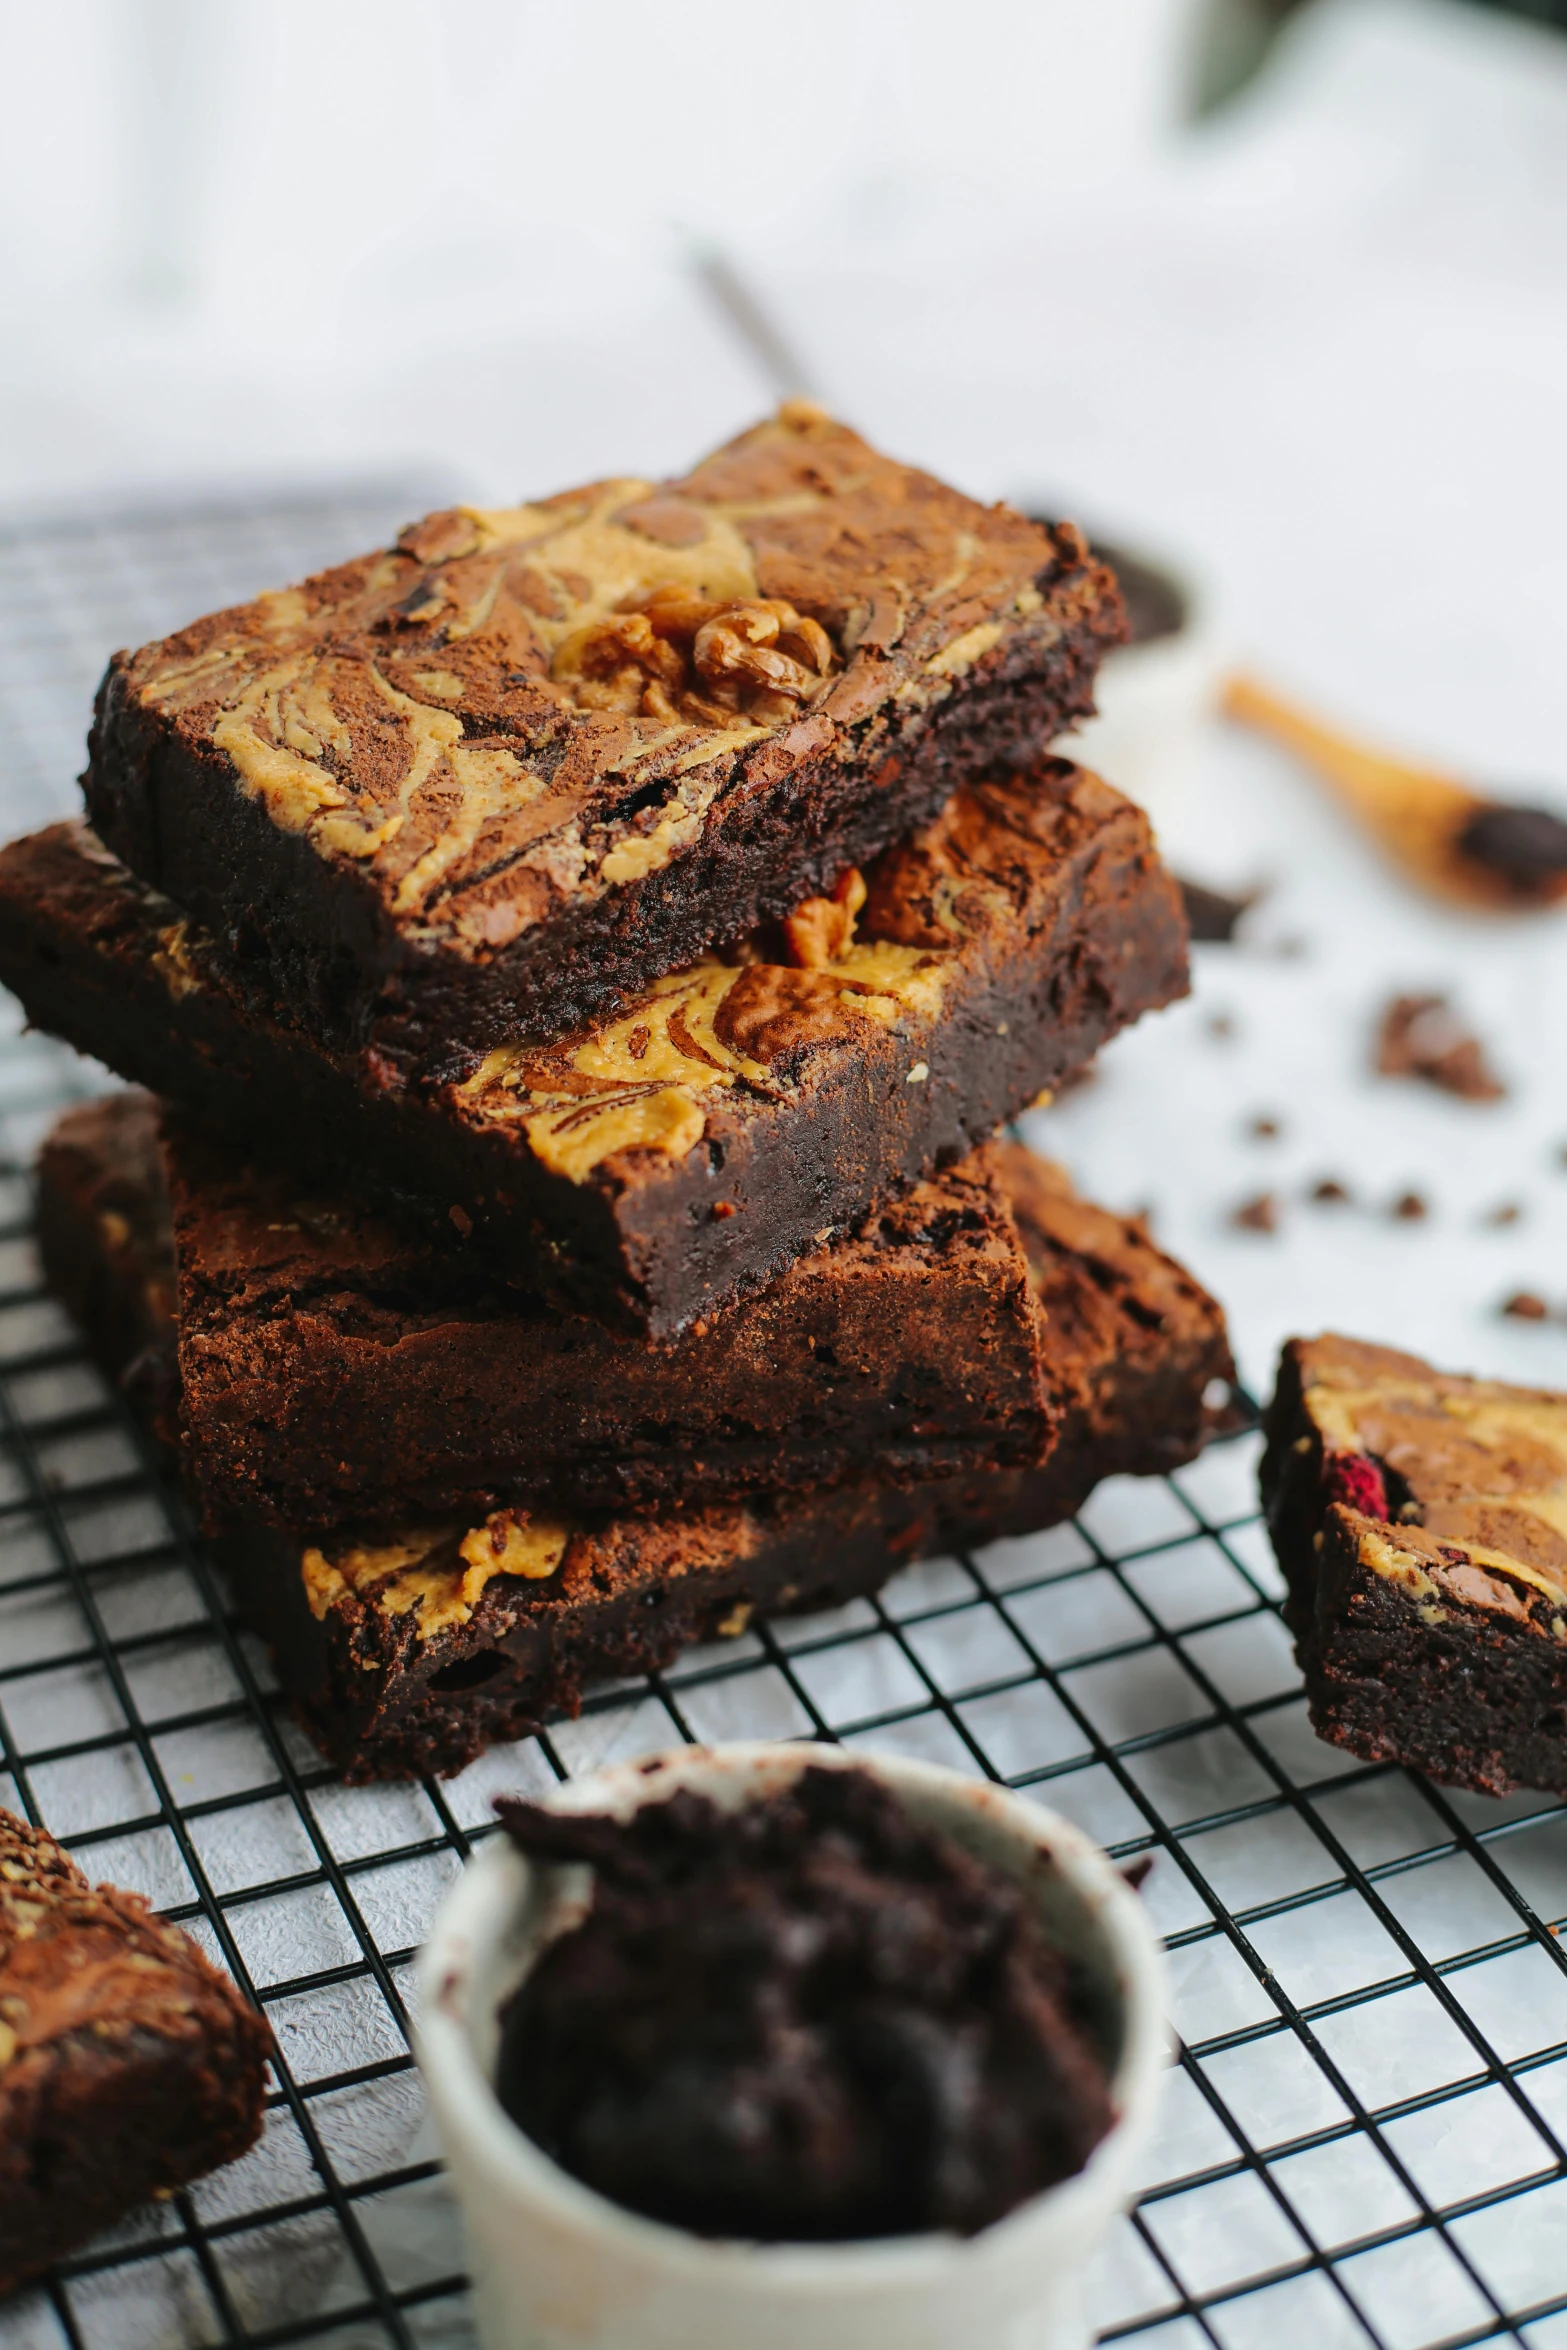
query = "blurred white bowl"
{"x": 1156, "y": 694}
{"x": 557, "y": 2267}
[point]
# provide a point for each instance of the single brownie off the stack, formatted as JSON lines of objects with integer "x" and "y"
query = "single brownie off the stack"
{"x": 584, "y": 952}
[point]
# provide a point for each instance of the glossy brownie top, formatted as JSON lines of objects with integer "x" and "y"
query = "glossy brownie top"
{"x": 515, "y": 707}
{"x": 1454, "y": 1488}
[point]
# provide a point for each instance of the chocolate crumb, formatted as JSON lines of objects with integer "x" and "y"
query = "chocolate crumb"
{"x": 813, "y": 2018}
{"x": 1265, "y": 1129}
{"x": 1330, "y": 1193}
{"x": 1212, "y": 914}
{"x": 1420, "y": 1036}
{"x": 1409, "y": 1208}
{"x": 1507, "y": 1212}
{"x": 1524, "y": 1306}
{"x": 1257, "y": 1215}
{"x": 1221, "y": 1025}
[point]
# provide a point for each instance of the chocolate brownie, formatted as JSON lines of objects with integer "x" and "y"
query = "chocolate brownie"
{"x": 332, "y": 1368}
{"x": 467, "y": 791}
{"x": 414, "y": 1653}
{"x": 107, "y": 1244}
{"x": 128, "y": 2065}
{"x": 649, "y": 1168}
{"x": 814, "y": 2018}
{"x": 1421, "y": 1523}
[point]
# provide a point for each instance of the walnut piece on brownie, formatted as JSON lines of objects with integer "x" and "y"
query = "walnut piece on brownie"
{"x": 471, "y": 788}
{"x": 128, "y": 2064}
{"x": 1420, "y": 1519}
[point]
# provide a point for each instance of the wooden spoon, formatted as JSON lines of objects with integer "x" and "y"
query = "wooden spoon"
{"x": 1472, "y": 850}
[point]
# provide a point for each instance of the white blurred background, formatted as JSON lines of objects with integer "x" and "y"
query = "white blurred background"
{"x": 1312, "y": 340}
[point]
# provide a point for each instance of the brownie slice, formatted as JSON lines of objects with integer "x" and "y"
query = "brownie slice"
{"x": 413, "y": 1652}
{"x": 1421, "y": 1523}
{"x": 650, "y": 1168}
{"x": 128, "y": 2064}
{"x": 470, "y": 789}
{"x": 336, "y": 1367}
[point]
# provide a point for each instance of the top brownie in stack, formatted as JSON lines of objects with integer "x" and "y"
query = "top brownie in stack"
{"x": 470, "y": 790}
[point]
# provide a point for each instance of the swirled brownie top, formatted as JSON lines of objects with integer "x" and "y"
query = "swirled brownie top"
{"x": 717, "y": 686}
{"x": 1458, "y": 1486}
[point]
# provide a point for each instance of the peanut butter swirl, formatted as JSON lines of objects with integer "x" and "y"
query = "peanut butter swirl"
{"x": 438, "y": 1573}
{"x": 642, "y": 1080}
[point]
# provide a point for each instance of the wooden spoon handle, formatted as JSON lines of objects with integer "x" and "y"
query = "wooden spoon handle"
{"x": 1417, "y": 816}
{"x": 1379, "y": 789}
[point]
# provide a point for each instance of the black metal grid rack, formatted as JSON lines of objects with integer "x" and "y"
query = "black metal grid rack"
{"x": 1365, "y": 2131}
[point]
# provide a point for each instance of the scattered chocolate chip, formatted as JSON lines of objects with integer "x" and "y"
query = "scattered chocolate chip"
{"x": 1330, "y": 1193}
{"x": 1222, "y": 1026}
{"x": 1525, "y": 847}
{"x": 1421, "y": 1037}
{"x": 1508, "y": 1212}
{"x": 1264, "y": 1129}
{"x": 1257, "y": 1215}
{"x": 1524, "y": 1306}
{"x": 1136, "y": 1871}
{"x": 1212, "y": 914}
{"x": 1409, "y": 1207}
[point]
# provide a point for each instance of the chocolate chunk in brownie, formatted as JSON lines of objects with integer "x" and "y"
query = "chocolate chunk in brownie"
{"x": 128, "y": 2065}
{"x": 470, "y": 789}
{"x": 1421, "y": 1522}
{"x": 811, "y": 2018}
{"x": 650, "y": 1167}
{"x": 413, "y": 1651}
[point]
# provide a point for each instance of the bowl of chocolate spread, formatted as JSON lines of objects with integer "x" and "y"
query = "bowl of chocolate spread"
{"x": 771, "y": 2044}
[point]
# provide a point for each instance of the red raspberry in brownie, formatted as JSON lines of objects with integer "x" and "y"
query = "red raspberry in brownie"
{"x": 1356, "y": 1480}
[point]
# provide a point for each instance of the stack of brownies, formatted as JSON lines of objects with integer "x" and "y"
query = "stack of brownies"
{"x": 583, "y": 953}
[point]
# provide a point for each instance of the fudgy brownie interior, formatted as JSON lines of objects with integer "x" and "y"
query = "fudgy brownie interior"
{"x": 808, "y": 2018}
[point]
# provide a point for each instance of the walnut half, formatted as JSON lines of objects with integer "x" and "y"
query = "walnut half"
{"x": 675, "y": 657}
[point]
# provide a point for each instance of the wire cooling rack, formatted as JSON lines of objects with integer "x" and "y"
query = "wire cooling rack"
{"x": 1364, "y": 2130}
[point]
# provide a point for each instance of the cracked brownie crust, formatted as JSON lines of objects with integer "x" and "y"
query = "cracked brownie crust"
{"x": 473, "y": 788}
{"x": 667, "y": 1158}
{"x": 415, "y": 1650}
{"x": 128, "y": 2065}
{"x": 1421, "y": 1523}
